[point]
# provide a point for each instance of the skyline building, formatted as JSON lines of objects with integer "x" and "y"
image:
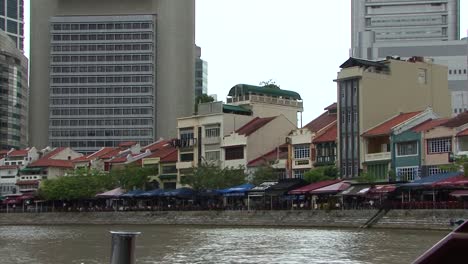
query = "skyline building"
{"x": 424, "y": 28}
{"x": 13, "y": 95}
{"x": 394, "y": 20}
{"x": 118, "y": 71}
{"x": 12, "y": 20}
{"x": 201, "y": 74}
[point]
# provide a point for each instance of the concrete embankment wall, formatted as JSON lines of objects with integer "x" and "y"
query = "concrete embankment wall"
{"x": 413, "y": 219}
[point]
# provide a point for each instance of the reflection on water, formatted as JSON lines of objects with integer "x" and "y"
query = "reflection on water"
{"x": 190, "y": 244}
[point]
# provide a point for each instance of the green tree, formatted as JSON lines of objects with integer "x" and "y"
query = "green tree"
{"x": 459, "y": 163}
{"x": 321, "y": 174}
{"x": 269, "y": 84}
{"x": 203, "y": 98}
{"x": 262, "y": 174}
{"x": 210, "y": 176}
{"x": 366, "y": 177}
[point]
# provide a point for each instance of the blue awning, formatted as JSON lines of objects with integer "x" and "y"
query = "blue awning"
{"x": 152, "y": 193}
{"x": 181, "y": 192}
{"x": 132, "y": 194}
{"x": 429, "y": 180}
{"x": 239, "y": 190}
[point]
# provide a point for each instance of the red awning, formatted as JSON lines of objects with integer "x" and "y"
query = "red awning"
{"x": 332, "y": 189}
{"x": 382, "y": 189}
{"x": 453, "y": 181}
{"x": 459, "y": 193}
{"x": 313, "y": 186}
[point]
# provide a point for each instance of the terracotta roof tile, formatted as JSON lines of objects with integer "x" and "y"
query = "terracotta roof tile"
{"x": 457, "y": 121}
{"x": 385, "y": 128}
{"x": 463, "y": 133}
{"x": 171, "y": 157}
{"x": 110, "y": 154}
{"x": 18, "y": 153}
{"x": 44, "y": 162}
{"x": 254, "y": 125}
{"x": 331, "y": 107}
{"x": 127, "y": 144}
{"x": 277, "y": 153}
{"x": 429, "y": 124}
{"x": 53, "y": 152}
{"x": 328, "y": 135}
{"x": 322, "y": 121}
{"x": 157, "y": 145}
{"x": 8, "y": 167}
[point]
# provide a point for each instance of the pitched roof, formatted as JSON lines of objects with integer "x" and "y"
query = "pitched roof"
{"x": 328, "y": 135}
{"x": 254, "y": 125}
{"x": 331, "y": 107}
{"x": 385, "y": 128}
{"x": 277, "y": 153}
{"x": 113, "y": 152}
{"x": 457, "y": 121}
{"x": 351, "y": 62}
{"x": 171, "y": 157}
{"x": 164, "y": 153}
{"x": 429, "y": 124}
{"x": 18, "y": 153}
{"x": 463, "y": 133}
{"x": 8, "y": 167}
{"x": 53, "y": 152}
{"x": 47, "y": 162}
{"x": 157, "y": 145}
{"x": 322, "y": 121}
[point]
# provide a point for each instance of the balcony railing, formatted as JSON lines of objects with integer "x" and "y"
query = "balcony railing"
{"x": 325, "y": 160}
{"x": 265, "y": 99}
{"x": 378, "y": 156}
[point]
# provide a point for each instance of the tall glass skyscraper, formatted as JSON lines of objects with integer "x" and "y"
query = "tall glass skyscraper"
{"x": 14, "y": 93}
{"x": 12, "y": 20}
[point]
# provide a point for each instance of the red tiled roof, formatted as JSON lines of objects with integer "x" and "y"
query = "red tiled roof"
{"x": 4, "y": 152}
{"x": 331, "y": 107}
{"x": 27, "y": 182}
{"x": 254, "y": 125}
{"x": 53, "y": 152}
{"x": 429, "y": 124}
{"x": 157, "y": 145}
{"x": 463, "y": 133}
{"x": 52, "y": 163}
{"x": 386, "y": 127}
{"x": 457, "y": 121}
{"x": 267, "y": 157}
{"x": 110, "y": 154}
{"x": 328, "y": 135}
{"x": 119, "y": 160}
{"x": 8, "y": 167}
{"x": 320, "y": 122}
{"x": 98, "y": 154}
{"x": 171, "y": 157}
{"x": 18, "y": 153}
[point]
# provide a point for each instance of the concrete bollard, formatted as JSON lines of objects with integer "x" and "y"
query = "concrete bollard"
{"x": 123, "y": 247}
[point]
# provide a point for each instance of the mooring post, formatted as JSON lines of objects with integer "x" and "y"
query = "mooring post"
{"x": 123, "y": 247}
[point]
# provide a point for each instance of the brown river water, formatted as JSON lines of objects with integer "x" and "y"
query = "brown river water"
{"x": 89, "y": 244}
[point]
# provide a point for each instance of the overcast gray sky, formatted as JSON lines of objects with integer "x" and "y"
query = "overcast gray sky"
{"x": 299, "y": 44}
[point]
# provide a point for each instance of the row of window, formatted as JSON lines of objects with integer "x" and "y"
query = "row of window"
{"x": 302, "y": 151}
{"x": 101, "y": 101}
{"x": 212, "y": 132}
{"x": 434, "y": 146}
{"x": 102, "y": 133}
{"x": 102, "y": 47}
{"x": 101, "y": 111}
{"x": 101, "y": 122}
{"x": 93, "y": 143}
{"x": 102, "y": 58}
{"x": 102, "y": 79}
{"x": 102, "y": 90}
{"x": 102, "y": 26}
{"x": 107, "y": 68}
{"x": 101, "y": 37}
{"x": 455, "y": 71}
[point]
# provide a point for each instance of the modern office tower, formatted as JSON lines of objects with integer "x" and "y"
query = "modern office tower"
{"x": 201, "y": 74}
{"x": 13, "y": 95}
{"x": 425, "y": 28}
{"x": 370, "y": 92}
{"x": 396, "y": 20}
{"x": 119, "y": 71}
{"x": 12, "y": 20}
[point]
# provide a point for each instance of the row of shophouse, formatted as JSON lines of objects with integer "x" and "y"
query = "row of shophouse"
{"x": 390, "y": 115}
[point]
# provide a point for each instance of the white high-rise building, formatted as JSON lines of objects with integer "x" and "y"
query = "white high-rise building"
{"x": 107, "y": 71}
